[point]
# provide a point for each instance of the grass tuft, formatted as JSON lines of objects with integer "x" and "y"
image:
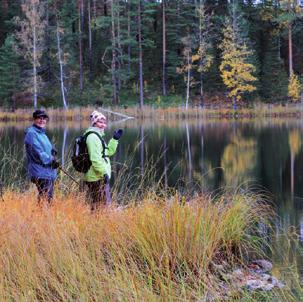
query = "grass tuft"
{"x": 160, "y": 249}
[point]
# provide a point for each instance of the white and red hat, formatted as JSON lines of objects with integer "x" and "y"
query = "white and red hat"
{"x": 96, "y": 116}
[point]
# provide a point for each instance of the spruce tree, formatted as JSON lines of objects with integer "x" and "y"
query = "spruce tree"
{"x": 274, "y": 77}
{"x": 10, "y": 72}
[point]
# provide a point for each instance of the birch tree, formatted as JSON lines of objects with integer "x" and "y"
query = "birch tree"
{"x": 164, "y": 79}
{"x": 236, "y": 70}
{"x": 187, "y": 66}
{"x": 31, "y": 39}
{"x": 114, "y": 54}
{"x": 140, "y": 55}
{"x": 203, "y": 53}
{"x": 60, "y": 31}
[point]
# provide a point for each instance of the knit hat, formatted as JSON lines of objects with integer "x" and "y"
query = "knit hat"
{"x": 95, "y": 116}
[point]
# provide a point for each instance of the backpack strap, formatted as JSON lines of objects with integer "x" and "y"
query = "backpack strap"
{"x": 104, "y": 147}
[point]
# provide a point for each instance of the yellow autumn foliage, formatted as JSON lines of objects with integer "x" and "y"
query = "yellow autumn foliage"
{"x": 294, "y": 88}
{"x": 236, "y": 71}
{"x": 291, "y": 6}
{"x": 195, "y": 58}
{"x": 294, "y": 141}
{"x": 239, "y": 160}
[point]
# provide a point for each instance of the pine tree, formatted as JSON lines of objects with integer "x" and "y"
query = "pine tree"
{"x": 290, "y": 12}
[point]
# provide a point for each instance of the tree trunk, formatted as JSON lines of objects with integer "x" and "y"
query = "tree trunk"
{"x": 35, "y": 65}
{"x": 120, "y": 53}
{"x": 140, "y": 57}
{"x": 95, "y": 8}
{"x": 234, "y": 16}
{"x": 48, "y": 43}
{"x": 201, "y": 59}
{"x": 164, "y": 49}
{"x": 113, "y": 64}
{"x": 128, "y": 36}
{"x": 90, "y": 42}
{"x": 188, "y": 80}
{"x": 63, "y": 89}
{"x": 81, "y": 25}
{"x": 290, "y": 60}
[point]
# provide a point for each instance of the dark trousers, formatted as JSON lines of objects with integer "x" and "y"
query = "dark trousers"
{"x": 45, "y": 188}
{"x": 97, "y": 193}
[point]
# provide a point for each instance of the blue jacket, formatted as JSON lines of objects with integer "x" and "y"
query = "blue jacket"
{"x": 39, "y": 153}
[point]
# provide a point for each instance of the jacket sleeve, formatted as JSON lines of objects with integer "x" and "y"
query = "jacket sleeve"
{"x": 94, "y": 147}
{"x": 36, "y": 151}
{"x": 112, "y": 147}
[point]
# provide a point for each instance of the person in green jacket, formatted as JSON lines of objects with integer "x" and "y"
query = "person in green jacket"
{"x": 97, "y": 178}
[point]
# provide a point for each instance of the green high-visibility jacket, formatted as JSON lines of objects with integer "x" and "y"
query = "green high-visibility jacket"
{"x": 100, "y": 165}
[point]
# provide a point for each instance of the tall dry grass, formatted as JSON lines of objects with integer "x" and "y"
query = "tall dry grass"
{"x": 161, "y": 249}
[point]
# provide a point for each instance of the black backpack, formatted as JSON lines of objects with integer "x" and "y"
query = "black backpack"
{"x": 80, "y": 157}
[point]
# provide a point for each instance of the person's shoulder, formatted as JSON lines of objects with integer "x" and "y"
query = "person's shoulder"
{"x": 92, "y": 132}
{"x": 30, "y": 130}
{"x": 92, "y": 136}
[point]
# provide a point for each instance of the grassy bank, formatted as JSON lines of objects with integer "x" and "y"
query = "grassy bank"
{"x": 167, "y": 113}
{"x": 158, "y": 249}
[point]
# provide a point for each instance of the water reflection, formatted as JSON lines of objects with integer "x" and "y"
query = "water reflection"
{"x": 204, "y": 155}
{"x": 239, "y": 160}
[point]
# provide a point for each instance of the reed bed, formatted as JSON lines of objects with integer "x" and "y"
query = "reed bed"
{"x": 155, "y": 249}
{"x": 173, "y": 112}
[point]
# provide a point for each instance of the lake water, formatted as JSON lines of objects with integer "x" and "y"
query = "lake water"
{"x": 205, "y": 156}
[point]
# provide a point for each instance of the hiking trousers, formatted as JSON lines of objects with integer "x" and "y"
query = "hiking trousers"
{"x": 45, "y": 188}
{"x": 97, "y": 193}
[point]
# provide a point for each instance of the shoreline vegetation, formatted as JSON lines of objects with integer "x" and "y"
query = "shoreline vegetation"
{"x": 167, "y": 248}
{"x": 293, "y": 111}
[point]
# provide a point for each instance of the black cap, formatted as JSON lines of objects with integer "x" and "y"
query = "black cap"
{"x": 39, "y": 113}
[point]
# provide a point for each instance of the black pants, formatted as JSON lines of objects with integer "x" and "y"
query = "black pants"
{"x": 45, "y": 188}
{"x": 97, "y": 193}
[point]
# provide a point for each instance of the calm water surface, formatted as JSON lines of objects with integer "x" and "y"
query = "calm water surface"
{"x": 204, "y": 155}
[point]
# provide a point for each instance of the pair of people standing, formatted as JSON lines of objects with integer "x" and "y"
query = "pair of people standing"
{"x": 42, "y": 163}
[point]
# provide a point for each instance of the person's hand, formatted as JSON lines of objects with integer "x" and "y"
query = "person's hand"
{"x": 117, "y": 134}
{"x": 55, "y": 164}
{"x": 106, "y": 179}
{"x": 54, "y": 152}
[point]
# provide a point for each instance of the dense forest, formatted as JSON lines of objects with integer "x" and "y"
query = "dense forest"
{"x": 123, "y": 52}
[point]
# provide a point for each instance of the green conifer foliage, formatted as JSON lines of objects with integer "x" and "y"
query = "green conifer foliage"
{"x": 274, "y": 77}
{"x": 9, "y": 71}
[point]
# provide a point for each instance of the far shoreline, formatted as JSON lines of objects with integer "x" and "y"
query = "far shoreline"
{"x": 292, "y": 111}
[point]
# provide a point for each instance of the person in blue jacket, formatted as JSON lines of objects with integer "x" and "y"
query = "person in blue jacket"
{"x": 42, "y": 164}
